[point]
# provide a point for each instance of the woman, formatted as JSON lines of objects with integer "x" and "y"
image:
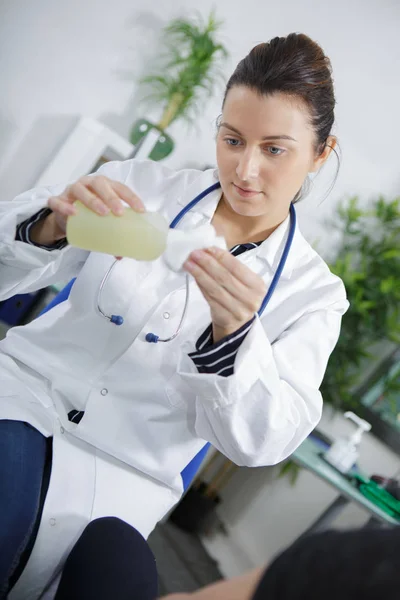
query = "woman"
{"x": 124, "y": 417}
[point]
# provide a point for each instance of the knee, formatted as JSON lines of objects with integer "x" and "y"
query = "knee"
{"x": 106, "y": 524}
{"x": 112, "y": 534}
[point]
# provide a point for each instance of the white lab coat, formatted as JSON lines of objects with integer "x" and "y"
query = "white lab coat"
{"x": 147, "y": 409}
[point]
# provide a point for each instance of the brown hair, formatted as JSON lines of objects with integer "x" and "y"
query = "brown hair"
{"x": 293, "y": 65}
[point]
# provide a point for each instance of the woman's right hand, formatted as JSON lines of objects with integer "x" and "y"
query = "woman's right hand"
{"x": 98, "y": 193}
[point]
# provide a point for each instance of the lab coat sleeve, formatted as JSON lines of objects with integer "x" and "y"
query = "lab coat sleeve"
{"x": 259, "y": 415}
{"x": 24, "y": 267}
{"x": 27, "y": 268}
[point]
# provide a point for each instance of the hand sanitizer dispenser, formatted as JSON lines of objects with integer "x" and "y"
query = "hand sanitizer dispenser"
{"x": 345, "y": 451}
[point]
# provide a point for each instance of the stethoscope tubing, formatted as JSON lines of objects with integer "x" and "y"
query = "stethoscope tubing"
{"x": 153, "y": 338}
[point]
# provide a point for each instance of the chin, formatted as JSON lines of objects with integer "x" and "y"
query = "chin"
{"x": 248, "y": 211}
{"x": 246, "y": 208}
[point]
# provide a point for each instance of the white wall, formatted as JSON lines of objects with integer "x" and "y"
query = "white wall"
{"x": 59, "y": 60}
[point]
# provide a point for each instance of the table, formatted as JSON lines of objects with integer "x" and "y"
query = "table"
{"x": 308, "y": 457}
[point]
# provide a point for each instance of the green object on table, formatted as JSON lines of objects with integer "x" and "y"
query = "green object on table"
{"x": 163, "y": 146}
{"x": 308, "y": 456}
{"x": 378, "y": 495}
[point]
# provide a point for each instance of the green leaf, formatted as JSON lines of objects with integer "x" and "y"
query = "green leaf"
{"x": 392, "y": 253}
{"x": 290, "y": 469}
{"x": 189, "y": 68}
{"x": 387, "y": 285}
{"x": 368, "y": 261}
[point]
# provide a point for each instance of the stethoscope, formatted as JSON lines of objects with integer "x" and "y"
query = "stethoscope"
{"x": 152, "y": 337}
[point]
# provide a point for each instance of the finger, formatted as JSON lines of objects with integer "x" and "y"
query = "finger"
{"x": 61, "y": 205}
{"x": 217, "y": 293}
{"x": 103, "y": 190}
{"x": 216, "y": 277}
{"x": 224, "y": 314}
{"x": 129, "y": 196}
{"x": 250, "y": 297}
{"x": 236, "y": 268}
{"x": 78, "y": 191}
{"x": 227, "y": 309}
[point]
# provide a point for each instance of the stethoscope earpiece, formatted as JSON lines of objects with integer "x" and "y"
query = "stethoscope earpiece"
{"x": 116, "y": 319}
{"x": 152, "y": 338}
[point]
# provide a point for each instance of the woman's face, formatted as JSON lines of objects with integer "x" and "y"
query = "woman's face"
{"x": 265, "y": 149}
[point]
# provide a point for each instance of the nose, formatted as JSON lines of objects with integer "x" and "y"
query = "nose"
{"x": 248, "y": 167}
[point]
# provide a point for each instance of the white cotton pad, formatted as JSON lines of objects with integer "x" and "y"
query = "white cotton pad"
{"x": 181, "y": 243}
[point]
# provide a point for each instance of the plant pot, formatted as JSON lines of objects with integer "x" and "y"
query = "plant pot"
{"x": 162, "y": 146}
{"x": 195, "y": 511}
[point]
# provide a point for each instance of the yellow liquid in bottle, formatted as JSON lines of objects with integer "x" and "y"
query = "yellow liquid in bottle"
{"x": 142, "y": 236}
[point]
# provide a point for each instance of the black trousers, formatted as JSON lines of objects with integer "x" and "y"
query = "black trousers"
{"x": 110, "y": 561}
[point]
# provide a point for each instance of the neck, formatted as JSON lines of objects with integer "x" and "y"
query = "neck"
{"x": 238, "y": 229}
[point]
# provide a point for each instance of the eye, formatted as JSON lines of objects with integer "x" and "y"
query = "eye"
{"x": 232, "y": 142}
{"x": 274, "y": 150}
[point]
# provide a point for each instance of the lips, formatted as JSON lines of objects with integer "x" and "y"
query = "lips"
{"x": 245, "y": 193}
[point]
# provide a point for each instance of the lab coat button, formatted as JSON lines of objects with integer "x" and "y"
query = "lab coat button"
{"x": 52, "y": 522}
{"x": 166, "y": 315}
{"x": 62, "y": 429}
{"x": 104, "y": 392}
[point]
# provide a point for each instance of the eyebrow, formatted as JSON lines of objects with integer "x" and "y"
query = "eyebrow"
{"x": 266, "y": 137}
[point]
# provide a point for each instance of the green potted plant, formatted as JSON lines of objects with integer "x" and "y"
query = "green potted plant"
{"x": 368, "y": 261}
{"x": 189, "y": 72}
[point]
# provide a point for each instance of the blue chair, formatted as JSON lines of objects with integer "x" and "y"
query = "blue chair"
{"x": 61, "y": 297}
{"x": 20, "y": 308}
{"x": 191, "y": 469}
{"x": 189, "y": 472}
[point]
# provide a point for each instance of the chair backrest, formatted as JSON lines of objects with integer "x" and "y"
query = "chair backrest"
{"x": 61, "y": 297}
{"x": 189, "y": 472}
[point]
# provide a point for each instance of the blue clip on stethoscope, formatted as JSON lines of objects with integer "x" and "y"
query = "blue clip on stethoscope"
{"x": 152, "y": 337}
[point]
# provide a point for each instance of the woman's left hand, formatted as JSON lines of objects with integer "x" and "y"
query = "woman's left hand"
{"x": 233, "y": 291}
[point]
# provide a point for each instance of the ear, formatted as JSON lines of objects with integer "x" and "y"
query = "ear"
{"x": 321, "y": 159}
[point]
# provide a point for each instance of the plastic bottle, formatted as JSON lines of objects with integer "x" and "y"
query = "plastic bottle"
{"x": 136, "y": 235}
{"x": 143, "y": 236}
{"x": 345, "y": 451}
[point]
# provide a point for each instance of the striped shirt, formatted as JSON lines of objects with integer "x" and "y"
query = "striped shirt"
{"x": 212, "y": 358}
{"x": 23, "y": 231}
